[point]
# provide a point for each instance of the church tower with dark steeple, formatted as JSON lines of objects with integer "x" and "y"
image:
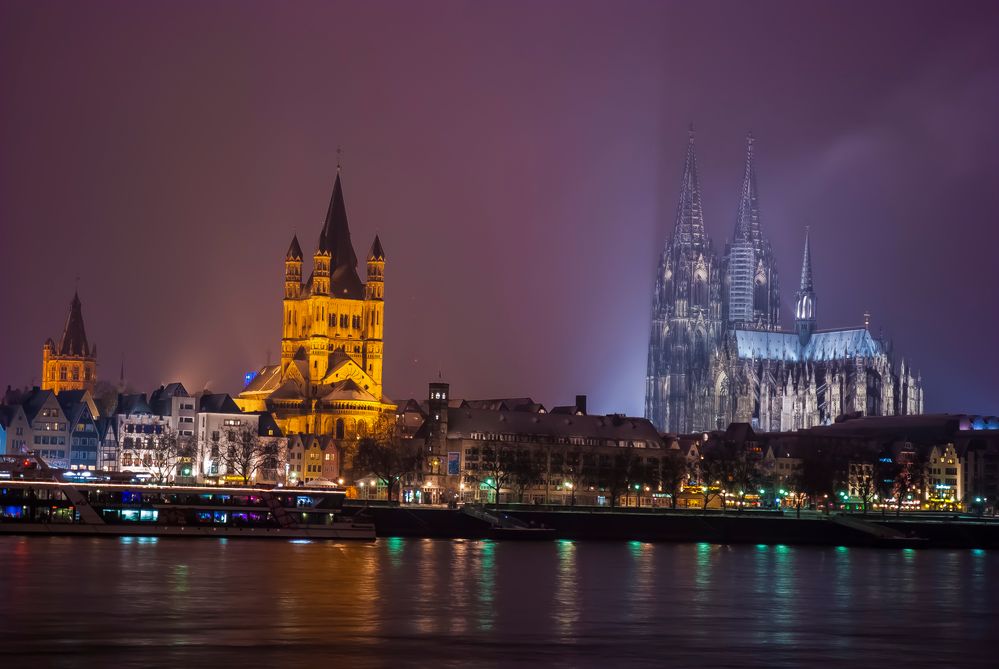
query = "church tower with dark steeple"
{"x": 72, "y": 365}
{"x": 329, "y": 380}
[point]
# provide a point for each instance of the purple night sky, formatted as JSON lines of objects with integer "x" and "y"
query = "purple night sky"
{"x": 521, "y": 163}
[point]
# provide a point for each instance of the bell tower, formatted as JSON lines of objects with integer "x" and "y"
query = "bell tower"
{"x": 72, "y": 365}
{"x": 374, "y": 312}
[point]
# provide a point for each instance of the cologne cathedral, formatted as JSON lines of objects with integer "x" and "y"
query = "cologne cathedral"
{"x": 718, "y": 353}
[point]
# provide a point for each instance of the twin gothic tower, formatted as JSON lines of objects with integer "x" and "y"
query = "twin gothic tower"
{"x": 717, "y": 352}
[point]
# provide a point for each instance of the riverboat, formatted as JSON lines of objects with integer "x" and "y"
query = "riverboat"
{"x": 48, "y": 503}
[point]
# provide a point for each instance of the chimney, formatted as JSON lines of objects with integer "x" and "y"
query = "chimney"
{"x": 581, "y": 404}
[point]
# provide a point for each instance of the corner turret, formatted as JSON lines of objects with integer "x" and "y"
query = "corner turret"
{"x": 293, "y": 270}
{"x": 374, "y": 312}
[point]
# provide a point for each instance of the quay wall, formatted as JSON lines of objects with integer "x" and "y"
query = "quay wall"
{"x": 712, "y": 527}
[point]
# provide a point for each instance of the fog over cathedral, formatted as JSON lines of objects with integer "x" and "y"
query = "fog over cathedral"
{"x": 718, "y": 353}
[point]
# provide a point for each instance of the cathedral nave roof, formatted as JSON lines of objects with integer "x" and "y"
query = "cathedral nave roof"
{"x": 822, "y": 345}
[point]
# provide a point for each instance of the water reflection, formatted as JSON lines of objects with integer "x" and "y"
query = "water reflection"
{"x": 567, "y": 595}
{"x": 641, "y": 592}
{"x": 394, "y": 547}
{"x": 425, "y": 614}
{"x": 485, "y": 572}
{"x": 784, "y": 611}
{"x": 182, "y": 603}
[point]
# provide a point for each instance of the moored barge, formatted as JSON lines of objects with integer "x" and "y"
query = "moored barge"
{"x": 95, "y": 507}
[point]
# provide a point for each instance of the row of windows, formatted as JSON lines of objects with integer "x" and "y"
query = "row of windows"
{"x": 564, "y": 441}
{"x": 45, "y": 439}
{"x": 346, "y": 320}
{"x": 144, "y": 429}
{"x": 65, "y": 374}
{"x": 547, "y": 439}
{"x": 45, "y": 453}
{"x": 557, "y": 461}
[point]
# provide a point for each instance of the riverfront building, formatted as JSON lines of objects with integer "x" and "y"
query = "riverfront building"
{"x": 514, "y": 449}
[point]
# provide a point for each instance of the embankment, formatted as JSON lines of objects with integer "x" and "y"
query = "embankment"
{"x": 713, "y": 527}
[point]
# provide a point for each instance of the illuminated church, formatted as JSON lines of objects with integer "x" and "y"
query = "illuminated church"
{"x": 718, "y": 353}
{"x": 329, "y": 380}
{"x": 72, "y": 365}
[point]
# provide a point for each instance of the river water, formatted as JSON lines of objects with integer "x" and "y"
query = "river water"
{"x": 83, "y": 602}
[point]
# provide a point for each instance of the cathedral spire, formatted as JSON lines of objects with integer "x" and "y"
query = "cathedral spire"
{"x": 689, "y": 228}
{"x": 804, "y": 307}
{"x": 806, "y": 265}
{"x": 747, "y": 224}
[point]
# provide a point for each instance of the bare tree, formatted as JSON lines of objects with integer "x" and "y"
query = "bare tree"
{"x": 795, "y": 493}
{"x": 386, "y": 455}
{"x": 525, "y": 471}
{"x": 242, "y": 452}
{"x": 744, "y": 473}
{"x": 864, "y": 481}
{"x": 716, "y": 467}
{"x": 164, "y": 450}
{"x": 495, "y": 469}
{"x": 577, "y": 471}
{"x": 618, "y": 478}
{"x": 673, "y": 474}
